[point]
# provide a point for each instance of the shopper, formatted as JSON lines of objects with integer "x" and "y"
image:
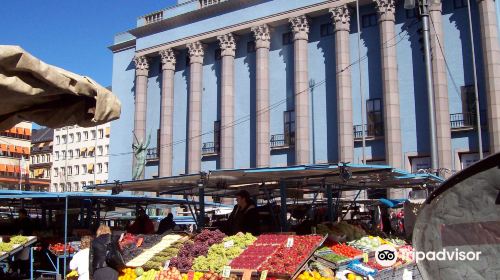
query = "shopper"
{"x": 166, "y": 224}
{"x": 142, "y": 224}
{"x": 100, "y": 270}
{"x": 244, "y": 217}
{"x": 80, "y": 261}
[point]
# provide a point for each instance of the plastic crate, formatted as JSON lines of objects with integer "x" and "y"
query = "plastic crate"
{"x": 397, "y": 273}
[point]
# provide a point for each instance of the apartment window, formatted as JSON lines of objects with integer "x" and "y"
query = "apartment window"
{"x": 468, "y": 99}
{"x": 411, "y": 13}
{"x": 63, "y": 171}
{"x": 56, "y": 172}
{"x": 78, "y": 137}
{"x": 468, "y": 159}
{"x": 70, "y": 154}
{"x": 420, "y": 163}
{"x": 70, "y": 170}
{"x": 77, "y": 169}
{"x": 289, "y": 127}
{"x": 84, "y": 169}
{"x": 99, "y": 150}
{"x": 58, "y": 140}
{"x": 216, "y": 136}
{"x": 218, "y": 54}
{"x": 458, "y": 4}
{"x": 63, "y": 154}
{"x": 93, "y": 133}
{"x": 106, "y": 167}
{"x": 71, "y": 138}
{"x": 77, "y": 153}
{"x": 84, "y": 183}
{"x": 251, "y": 47}
{"x": 48, "y": 158}
{"x": 101, "y": 133}
{"x": 287, "y": 38}
{"x": 64, "y": 140}
{"x": 91, "y": 182}
{"x": 326, "y": 29}
{"x": 75, "y": 186}
{"x": 85, "y": 135}
{"x": 369, "y": 20}
{"x": 375, "y": 118}
{"x": 68, "y": 187}
{"x": 56, "y": 155}
{"x": 47, "y": 173}
{"x": 55, "y": 187}
{"x": 99, "y": 168}
{"x": 106, "y": 149}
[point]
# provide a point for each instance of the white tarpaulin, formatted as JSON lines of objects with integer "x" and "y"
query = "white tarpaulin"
{"x": 462, "y": 219}
{"x": 32, "y": 90}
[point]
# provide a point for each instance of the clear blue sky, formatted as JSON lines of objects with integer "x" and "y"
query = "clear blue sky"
{"x": 72, "y": 34}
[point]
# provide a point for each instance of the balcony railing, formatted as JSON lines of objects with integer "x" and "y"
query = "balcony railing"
{"x": 152, "y": 18}
{"x": 206, "y": 3}
{"x": 209, "y": 148}
{"x": 152, "y": 154}
{"x": 281, "y": 141}
{"x": 467, "y": 120}
{"x": 371, "y": 131}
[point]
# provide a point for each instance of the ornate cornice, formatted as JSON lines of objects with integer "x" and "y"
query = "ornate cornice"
{"x": 141, "y": 65}
{"x": 262, "y": 36}
{"x": 227, "y": 44}
{"x": 341, "y": 18}
{"x": 167, "y": 59}
{"x": 386, "y": 10}
{"x": 196, "y": 51}
{"x": 300, "y": 27}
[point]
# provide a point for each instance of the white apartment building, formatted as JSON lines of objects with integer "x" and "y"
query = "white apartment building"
{"x": 80, "y": 157}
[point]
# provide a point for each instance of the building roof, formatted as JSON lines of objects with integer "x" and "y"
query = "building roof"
{"x": 42, "y": 135}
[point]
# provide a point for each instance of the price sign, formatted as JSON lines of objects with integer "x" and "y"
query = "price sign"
{"x": 289, "y": 242}
{"x": 247, "y": 274}
{"x": 190, "y": 275}
{"x": 226, "y": 271}
{"x": 229, "y": 244}
{"x": 167, "y": 263}
{"x": 121, "y": 236}
{"x": 365, "y": 257}
{"x": 263, "y": 275}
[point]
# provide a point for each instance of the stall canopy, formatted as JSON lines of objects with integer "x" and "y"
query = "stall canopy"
{"x": 32, "y": 90}
{"x": 265, "y": 181}
{"x": 462, "y": 219}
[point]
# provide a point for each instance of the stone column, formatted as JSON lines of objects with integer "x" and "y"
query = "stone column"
{"x": 440, "y": 83}
{"x": 341, "y": 20}
{"x": 228, "y": 49}
{"x": 491, "y": 62}
{"x": 392, "y": 128}
{"x": 141, "y": 96}
{"x": 300, "y": 28}
{"x": 167, "y": 110}
{"x": 262, "y": 45}
{"x": 196, "y": 53}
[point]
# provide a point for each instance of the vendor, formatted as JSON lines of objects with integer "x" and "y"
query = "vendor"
{"x": 166, "y": 224}
{"x": 23, "y": 225}
{"x": 142, "y": 224}
{"x": 244, "y": 217}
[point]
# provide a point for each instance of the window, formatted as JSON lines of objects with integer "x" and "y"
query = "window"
{"x": 468, "y": 99}
{"x": 55, "y": 187}
{"x": 64, "y": 140}
{"x": 106, "y": 149}
{"x": 91, "y": 182}
{"x": 106, "y": 167}
{"x": 43, "y": 158}
{"x": 84, "y": 183}
{"x": 78, "y": 137}
{"x": 85, "y": 135}
{"x": 70, "y": 170}
{"x": 289, "y": 127}
{"x": 37, "y": 159}
{"x": 68, "y": 187}
{"x": 467, "y": 160}
{"x": 84, "y": 169}
{"x": 420, "y": 163}
{"x": 48, "y": 158}
{"x": 99, "y": 151}
{"x": 375, "y": 118}
{"x": 71, "y": 138}
{"x": 70, "y": 154}
{"x": 101, "y": 133}
{"x": 411, "y": 13}
{"x": 287, "y": 38}
{"x": 63, "y": 154}
{"x": 56, "y": 172}
{"x": 63, "y": 171}
{"x": 77, "y": 169}
{"x": 216, "y": 136}
{"x": 251, "y": 47}
{"x": 99, "y": 168}
{"x": 56, "y": 155}
{"x": 58, "y": 140}
{"x": 47, "y": 174}
{"x": 458, "y": 4}
{"x": 218, "y": 54}
{"x": 326, "y": 29}
{"x": 75, "y": 186}
{"x": 369, "y": 20}
{"x": 77, "y": 153}
{"x": 93, "y": 133}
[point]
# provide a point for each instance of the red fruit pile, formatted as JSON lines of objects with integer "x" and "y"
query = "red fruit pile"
{"x": 58, "y": 248}
{"x": 253, "y": 256}
{"x": 271, "y": 239}
{"x": 287, "y": 260}
{"x": 346, "y": 250}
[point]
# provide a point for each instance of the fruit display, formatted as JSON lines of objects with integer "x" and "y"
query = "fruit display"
{"x": 191, "y": 250}
{"x": 346, "y": 251}
{"x": 170, "y": 273}
{"x": 58, "y": 249}
{"x": 396, "y": 242}
{"x": 211, "y": 276}
{"x": 253, "y": 256}
{"x": 314, "y": 275}
{"x": 220, "y": 255}
{"x": 18, "y": 239}
{"x": 149, "y": 253}
{"x": 6, "y": 247}
{"x": 148, "y": 275}
{"x": 341, "y": 229}
{"x": 286, "y": 260}
{"x": 127, "y": 274}
{"x": 367, "y": 243}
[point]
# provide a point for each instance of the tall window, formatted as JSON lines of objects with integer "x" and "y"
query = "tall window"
{"x": 217, "y": 136}
{"x": 78, "y": 137}
{"x": 63, "y": 154}
{"x": 287, "y": 38}
{"x": 71, "y": 138}
{"x": 251, "y": 47}
{"x": 99, "y": 150}
{"x": 63, "y": 171}
{"x": 101, "y": 133}
{"x": 99, "y": 168}
{"x": 85, "y": 135}
{"x": 375, "y": 118}
{"x": 106, "y": 149}
{"x": 106, "y": 167}
{"x": 458, "y": 4}
{"x": 56, "y": 155}
{"x": 64, "y": 140}
{"x": 77, "y": 153}
{"x": 468, "y": 99}
{"x": 77, "y": 169}
{"x": 326, "y": 29}
{"x": 93, "y": 133}
{"x": 369, "y": 20}
{"x": 84, "y": 169}
{"x": 289, "y": 127}
{"x": 56, "y": 172}
{"x": 70, "y": 170}
{"x": 70, "y": 154}
{"x": 58, "y": 140}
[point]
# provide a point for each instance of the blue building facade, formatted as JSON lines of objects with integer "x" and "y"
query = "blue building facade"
{"x": 384, "y": 70}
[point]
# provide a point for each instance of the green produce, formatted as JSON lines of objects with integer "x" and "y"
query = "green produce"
{"x": 150, "y": 274}
{"x": 334, "y": 258}
{"x": 149, "y": 265}
{"x": 139, "y": 271}
{"x": 6, "y": 247}
{"x": 18, "y": 239}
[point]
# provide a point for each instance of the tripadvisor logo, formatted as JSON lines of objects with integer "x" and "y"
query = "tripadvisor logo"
{"x": 386, "y": 255}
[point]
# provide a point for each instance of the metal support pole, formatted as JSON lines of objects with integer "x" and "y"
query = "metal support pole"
{"x": 476, "y": 93}
{"x": 329, "y": 196}
{"x": 351, "y": 205}
{"x": 284, "y": 220}
{"x": 31, "y": 263}
{"x": 363, "y": 136}
{"x": 65, "y": 235}
{"x": 424, "y": 9}
{"x": 201, "y": 217}
{"x": 98, "y": 213}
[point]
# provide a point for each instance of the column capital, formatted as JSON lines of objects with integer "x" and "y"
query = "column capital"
{"x": 436, "y": 5}
{"x": 300, "y": 27}
{"x": 386, "y": 10}
{"x": 196, "y": 52}
{"x": 227, "y": 43}
{"x": 167, "y": 59}
{"x": 262, "y": 36}
{"x": 141, "y": 65}
{"x": 341, "y": 17}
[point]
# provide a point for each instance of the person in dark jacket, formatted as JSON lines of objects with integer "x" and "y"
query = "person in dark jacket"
{"x": 98, "y": 266}
{"x": 244, "y": 217}
{"x": 166, "y": 224}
